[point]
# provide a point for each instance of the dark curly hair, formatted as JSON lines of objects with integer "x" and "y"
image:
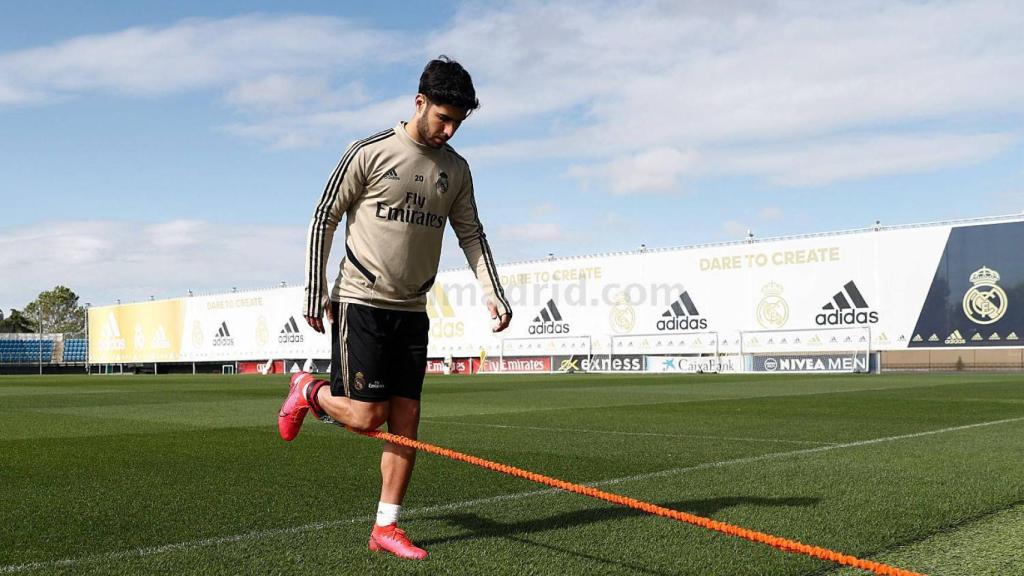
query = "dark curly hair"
{"x": 444, "y": 81}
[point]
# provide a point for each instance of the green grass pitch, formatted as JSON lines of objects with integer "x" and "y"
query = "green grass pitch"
{"x": 186, "y": 475}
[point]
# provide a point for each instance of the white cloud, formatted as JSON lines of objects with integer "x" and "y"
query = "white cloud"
{"x": 195, "y": 54}
{"x": 287, "y": 93}
{"x": 740, "y": 70}
{"x": 535, "y": 232}
{"x": 610, "y": 87}
{"x": 654, "y": 170}
{"x": 313, "y": 129}
{"x": 735, "y": 230}
{"x": 283, "y": 69}
{"x": 107, "y": 260}
{"x": 770, "y": 213}
{"x": 614, "y": 81}
{"x": 543, "y": 210}
{"x": 823, "y": 161}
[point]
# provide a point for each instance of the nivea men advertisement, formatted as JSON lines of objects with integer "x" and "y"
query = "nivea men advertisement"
{"x": 977, "y": 293}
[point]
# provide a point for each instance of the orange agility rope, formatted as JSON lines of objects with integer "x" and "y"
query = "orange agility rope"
{"x": 752, "y": 535}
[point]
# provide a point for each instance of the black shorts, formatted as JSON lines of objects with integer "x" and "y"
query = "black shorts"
{"x": 377, "y": 353}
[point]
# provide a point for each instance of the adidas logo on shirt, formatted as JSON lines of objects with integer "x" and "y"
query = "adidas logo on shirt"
{"x": 847, "y": 307}
{"x": 549, "y": 321}
{"x": 391, "y": 174}
{"x": 682, "y": 315}
{"x": 290, "y": 334}
{"x": 223, "y": 336}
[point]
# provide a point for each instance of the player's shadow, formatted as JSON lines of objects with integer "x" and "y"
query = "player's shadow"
{"x": 477, "y": 527}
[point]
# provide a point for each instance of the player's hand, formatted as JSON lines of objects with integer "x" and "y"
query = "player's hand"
{"x": 498, "y": 323}
{"x": 315, "y": 323}
{"x": 502, "y": 322}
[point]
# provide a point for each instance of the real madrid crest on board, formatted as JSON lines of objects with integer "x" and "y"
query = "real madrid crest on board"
{"x": 985, "y": 302}
{"x": 442, "y": 183}
{"x": 197, "y": 334}
{"x": 622, "y": 317}
{"x": 262, "y": 333}
{"x": 772, "y": 310}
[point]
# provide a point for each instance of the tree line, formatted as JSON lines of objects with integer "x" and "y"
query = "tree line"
{"x": 53, "y": 311}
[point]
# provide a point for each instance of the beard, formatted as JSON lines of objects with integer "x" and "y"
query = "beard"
{"x": 423, "y": 130}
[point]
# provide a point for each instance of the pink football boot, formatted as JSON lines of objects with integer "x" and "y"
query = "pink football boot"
{"x": 295, "y": 407}
{"x": 392, "y": 539}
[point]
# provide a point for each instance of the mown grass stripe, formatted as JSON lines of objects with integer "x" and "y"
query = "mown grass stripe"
{"x": 626, "y": 433}
{"x": 262, "y": 534}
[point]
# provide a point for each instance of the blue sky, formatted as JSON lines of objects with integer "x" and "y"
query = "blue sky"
{"x": 148, "y": 149}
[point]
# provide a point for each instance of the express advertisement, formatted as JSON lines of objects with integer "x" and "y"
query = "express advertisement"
{"x": 618, "y": 363}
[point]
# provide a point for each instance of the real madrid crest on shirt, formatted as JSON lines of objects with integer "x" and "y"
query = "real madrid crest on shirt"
{"x": 985, "y": 302}
{"x": 442, "y": 183}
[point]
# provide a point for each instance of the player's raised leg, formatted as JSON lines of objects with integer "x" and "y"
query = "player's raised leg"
{"x": 296, "y": 405}
{"x": 308, "y": 394}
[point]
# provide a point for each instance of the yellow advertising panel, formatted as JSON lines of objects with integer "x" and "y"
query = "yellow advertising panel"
{"x": 144, "y": 332}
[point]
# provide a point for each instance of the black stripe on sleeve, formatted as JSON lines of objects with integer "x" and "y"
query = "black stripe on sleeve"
{"x": 492, "y": 271}
{"x": 316, "y": 233}
{"x": 485, "y": 249}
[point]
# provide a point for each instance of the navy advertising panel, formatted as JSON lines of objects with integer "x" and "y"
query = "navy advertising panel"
{"x": 977, "y": 294}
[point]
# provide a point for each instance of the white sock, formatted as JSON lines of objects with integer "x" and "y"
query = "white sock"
{"x": 387, "y": 513}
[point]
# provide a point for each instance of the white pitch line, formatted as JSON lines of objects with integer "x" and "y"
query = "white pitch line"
{"x": 776, "y": 455}
{"x": 261, "y": 534}
{"x": 258, "y": 535}
{"x": 658, "y": 434}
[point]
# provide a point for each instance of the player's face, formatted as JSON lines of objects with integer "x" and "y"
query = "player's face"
{"x": 437, "y": 123}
